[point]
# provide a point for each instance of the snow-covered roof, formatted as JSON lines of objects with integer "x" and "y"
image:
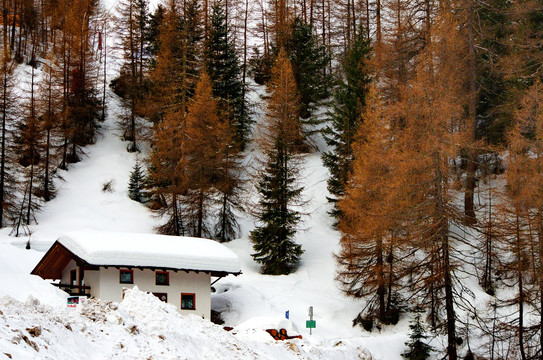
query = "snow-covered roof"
{"x": 150, "y": 250}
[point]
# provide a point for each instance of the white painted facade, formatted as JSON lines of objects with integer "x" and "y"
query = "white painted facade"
{"x": 104, "y": 254}
{"x": 105, "y": 284}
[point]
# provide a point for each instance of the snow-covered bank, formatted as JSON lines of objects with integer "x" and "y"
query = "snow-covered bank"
{"x": 141, "y": 327}
{"x": 16, "y": 281}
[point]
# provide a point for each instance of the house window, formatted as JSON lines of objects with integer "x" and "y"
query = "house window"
{"x": 162, "y": 278}
{"x": 126, "y": 276}
{"x": 73, "y": 277}
{"x": 161, "y": 296}
{"x": 188, "y": 301}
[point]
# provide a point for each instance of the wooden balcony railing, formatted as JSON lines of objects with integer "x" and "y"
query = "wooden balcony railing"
{"x": 74, "y": 290}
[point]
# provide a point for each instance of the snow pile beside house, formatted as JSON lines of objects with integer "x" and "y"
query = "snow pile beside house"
{"x": 140, "y": 327}
{"x": 15, "y": 278}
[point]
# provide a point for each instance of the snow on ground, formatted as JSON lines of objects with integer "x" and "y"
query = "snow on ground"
{"x": 140, "y": 327}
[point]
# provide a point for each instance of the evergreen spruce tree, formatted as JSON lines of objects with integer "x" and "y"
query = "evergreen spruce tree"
{"x": 190, "y": 54}
{"x": 417, "y": 349}
{"x": 153, "y": 33}
{"x": 309, "y": 62}
{"x": 272, "y": 241}
{"x": 136, "y": 184}
{"x": 224, "y": 69}
{"x": 228, "y": 185}
{"x": 350, "y": 98}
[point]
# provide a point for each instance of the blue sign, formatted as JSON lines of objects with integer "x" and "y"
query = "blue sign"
{"x": 287, "y": 314}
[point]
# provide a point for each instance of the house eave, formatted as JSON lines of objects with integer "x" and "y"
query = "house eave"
{"x": 55, "y": 260}
{"x": 214, "y": 273}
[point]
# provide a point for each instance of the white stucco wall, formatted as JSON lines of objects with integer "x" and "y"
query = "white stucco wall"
{"x": 106, "y": 286}
{"x": 66, "y": 272}
{"x": 92, "y": 279}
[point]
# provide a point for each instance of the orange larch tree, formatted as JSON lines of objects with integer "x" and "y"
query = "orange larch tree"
{"x": 207, "y": 140}
{"x": 524, "y": 217}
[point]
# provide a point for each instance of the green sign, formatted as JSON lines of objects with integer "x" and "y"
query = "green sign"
{"x": 311, "y": 324}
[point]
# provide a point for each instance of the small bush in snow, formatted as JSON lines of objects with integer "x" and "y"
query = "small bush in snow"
{"x": 108, "y": 186}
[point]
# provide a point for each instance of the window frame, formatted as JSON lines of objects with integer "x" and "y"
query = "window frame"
{"x": 162, "y": 273}
{"x": 130, "y": 271}
{"x": 193, "y": 301}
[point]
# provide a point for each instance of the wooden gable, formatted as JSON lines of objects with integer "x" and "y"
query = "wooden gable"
{"x": 55, "y": 260}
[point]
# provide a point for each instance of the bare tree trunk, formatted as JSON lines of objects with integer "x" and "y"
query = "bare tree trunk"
{"x": 5, "y": 23}
{"x": 353, "y": 19}
{"x": 244, "y": 66}
{"x": 105, "y": 76}
{"x": 445, "y": 247}
{"x": 380, "y": 277}
{"x": 469, "y": 210}
{"x": 487, "y": 273}
{"x": 4, "y": 134}
{"x": 223, "y": 220}
{"x": 348, "y": 27}
{"x": 245, "y": 19}
{"x": 200, "y": 213}
{"x": 540, "y": 277}
{"x": 323, "y": 22}
{"x": 134, "y": 76}
{"x": 311, "y": 11}
{"x": 378, "y": 35}
{"x": 367, "y": 19}
{"x": 390, "y": 271}
{"x": 264, "y": 29}
{"x": 178, "y": 231}
{"x": 206, "y": 21}
{"x": 32, "y": 151}
{"x": 520, "y": 289}
{"x": 30, "y": 185}
{"x": 428, "y": 23}
{"x": 13, "y": 23}
{"x": 46, "y": 180}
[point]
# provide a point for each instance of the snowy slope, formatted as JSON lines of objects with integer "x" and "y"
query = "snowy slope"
{"x": 81, "y": 204}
